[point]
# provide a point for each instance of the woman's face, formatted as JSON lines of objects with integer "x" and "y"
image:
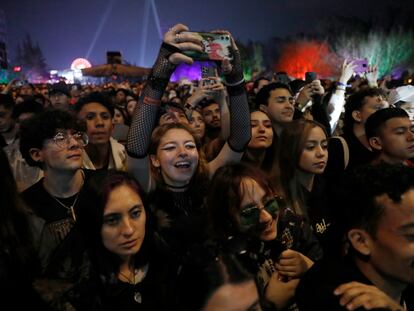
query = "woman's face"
{"x": 315, "y": 152}
{"x": 197, "y": 124}
{"x": 131, "y": 107}
{"x": 123, "y": 228}
{"x": 118, "y": 117}
{"x": 177, "y": 157}
{"x": 262, "y": 131}
{"x": 258, "y": 214}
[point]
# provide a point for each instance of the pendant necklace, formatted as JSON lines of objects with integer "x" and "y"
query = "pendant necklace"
{"x": 70, "y": 208}
{"x": 137, "y": 276}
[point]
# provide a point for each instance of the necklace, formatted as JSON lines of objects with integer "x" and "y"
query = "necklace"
{"x": 69, "y": 208}
{"x": 136, "y": 276}
{"x": 176, "y": 187}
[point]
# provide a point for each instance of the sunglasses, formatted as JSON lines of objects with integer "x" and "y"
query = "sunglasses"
{"x": 250, "y": 215}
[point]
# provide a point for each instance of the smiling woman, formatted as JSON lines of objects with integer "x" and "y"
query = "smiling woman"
{"x": 116, "y": 226}
{"x": 170, "y": 164}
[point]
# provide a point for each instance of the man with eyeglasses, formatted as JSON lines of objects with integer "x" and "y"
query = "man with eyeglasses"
{"x": 53, "y": 140}
{"x": 103, "y": 151}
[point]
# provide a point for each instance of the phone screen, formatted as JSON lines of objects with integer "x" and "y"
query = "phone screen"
{"x": 215, "y": 47}
{"x": 361, "y": 65}
{"x": 310, "y": 76}
{"x": 208, "y": 72}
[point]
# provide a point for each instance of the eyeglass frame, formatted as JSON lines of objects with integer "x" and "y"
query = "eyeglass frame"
{"x": 64, "y": 142}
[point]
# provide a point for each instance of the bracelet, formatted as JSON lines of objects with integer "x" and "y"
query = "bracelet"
{"x": 343, "y": 84}
{"x": 341, "y": 89}
{"x": 234, "y": 84}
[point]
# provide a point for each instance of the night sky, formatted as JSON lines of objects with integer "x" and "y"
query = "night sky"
{"x": 66, "y": 30}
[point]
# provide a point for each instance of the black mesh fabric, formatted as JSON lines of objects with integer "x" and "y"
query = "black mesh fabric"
{"x": 144, "y": 118}
{"x": 239, "y": 107}
{"x": 239, "y": 121}
{"x": 236, "y": 73}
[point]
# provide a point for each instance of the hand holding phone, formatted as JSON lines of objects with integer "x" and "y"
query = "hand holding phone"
{"x": 310, "y": 76}
{"x": 215, "y": 46}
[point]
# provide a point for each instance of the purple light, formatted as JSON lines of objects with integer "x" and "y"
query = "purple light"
{"x": 190, "y": 72}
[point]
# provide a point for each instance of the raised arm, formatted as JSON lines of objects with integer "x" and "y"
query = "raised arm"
{"x": 239, "y": 113}
{"x": 337, "y": 101}
{"x": 144, "y": 118}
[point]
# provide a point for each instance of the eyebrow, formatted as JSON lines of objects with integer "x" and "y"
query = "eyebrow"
{"x": 315, "y": 141}
{"x": 139, "y": 206}
{"x": 406, "y": 227}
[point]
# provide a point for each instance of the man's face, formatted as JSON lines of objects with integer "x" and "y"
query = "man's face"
{"x": 371, "y": 104}
{"x": 6, "y": 120}
{"x": 59, "y": 100}
{"x": 396, "y": 140}
{"x": 98, "y": 122}
{"x": 211, "y": 115}
{"x": 64, "y": 157}
{"x": 120, "y": 97}
{"x": 392, "y": 249}
{"x": 280, "y": 106}
{"x": 26, "y": 90}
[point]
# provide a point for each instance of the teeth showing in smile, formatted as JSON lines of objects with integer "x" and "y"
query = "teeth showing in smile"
{"x": 182, "y": 164}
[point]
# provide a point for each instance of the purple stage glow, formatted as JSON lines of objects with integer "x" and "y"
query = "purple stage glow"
{"x": 190, "y": 72}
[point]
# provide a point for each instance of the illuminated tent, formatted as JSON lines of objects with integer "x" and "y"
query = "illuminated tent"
{"x": 108, "y": 70}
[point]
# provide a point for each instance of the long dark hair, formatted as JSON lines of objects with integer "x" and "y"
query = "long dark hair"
{"x": 225, "y": 196}
{"x": 291, "y": 145}
{"x": 15, "y": 233}
{"x": 92, "y": 201}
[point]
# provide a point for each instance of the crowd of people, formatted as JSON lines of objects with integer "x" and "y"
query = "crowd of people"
{"x": 221, "y": 194}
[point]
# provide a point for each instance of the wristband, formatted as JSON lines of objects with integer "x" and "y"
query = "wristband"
{"x": 343, "y": 84}
{"x": 234, "y": 84}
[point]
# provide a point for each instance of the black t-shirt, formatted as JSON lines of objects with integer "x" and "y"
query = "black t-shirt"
{"x": 59, "y": 220}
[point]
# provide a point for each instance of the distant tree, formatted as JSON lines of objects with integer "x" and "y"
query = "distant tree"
{"x": 252, "y": 58}
{"x": 30, "y": 57}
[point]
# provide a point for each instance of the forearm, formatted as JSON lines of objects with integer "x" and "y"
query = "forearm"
{"x": 225, "y": 119}
{"x": 240, "y": 131}
{"x": 336, "y": 104}
{"x": 239, "y": 109}
{"x": 144, "y": 118}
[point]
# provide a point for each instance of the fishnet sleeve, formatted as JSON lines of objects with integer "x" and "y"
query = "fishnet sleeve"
{"x": 239, "y": 108}
{"x": 145, "y": 116}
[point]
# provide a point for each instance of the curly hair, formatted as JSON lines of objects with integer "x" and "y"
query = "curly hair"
{"x": 34, "y": 131}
